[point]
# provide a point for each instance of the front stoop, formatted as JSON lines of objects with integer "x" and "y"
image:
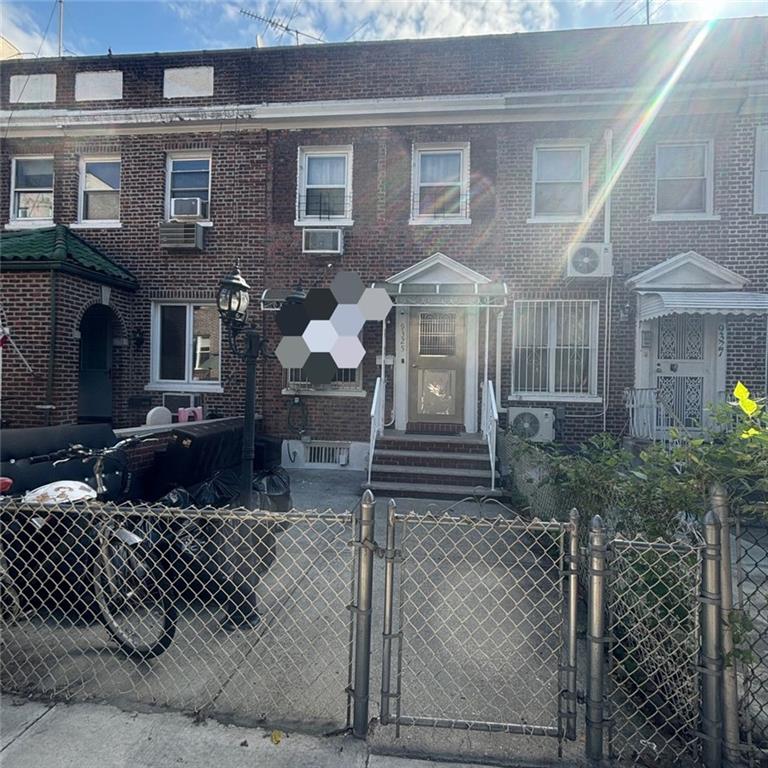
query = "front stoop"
{"x": 409, "y": 465}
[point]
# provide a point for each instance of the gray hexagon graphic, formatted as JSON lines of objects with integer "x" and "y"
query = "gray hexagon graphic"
{"x": 320, "y": 303}
{"x": 375, "y": 304}
{"x": 292, "y": 352}
{"x": 348, "y": 352}
{"x": 347, "y": 287}
{"x": 348, "y": 319}
{"x": 320, "y": 336}
{"x": 320, "y": 368}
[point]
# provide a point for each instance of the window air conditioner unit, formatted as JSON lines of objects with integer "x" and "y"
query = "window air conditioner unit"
{"x": 590, "y": 260}
{"x": 183, "y": 235}
{"x": 323, "y": 240}
{"x": 534, "y": 424}
{"x": 187, "y": 208}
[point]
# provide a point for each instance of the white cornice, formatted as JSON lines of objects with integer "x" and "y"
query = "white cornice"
{"x": 749, "y": 96}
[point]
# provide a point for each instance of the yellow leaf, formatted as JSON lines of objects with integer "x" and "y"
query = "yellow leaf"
{"x": 751, "y": 432}
{"x": 277, "y": 737}
{"x": 749, "y": 407}
{"x": 740, "y": 392}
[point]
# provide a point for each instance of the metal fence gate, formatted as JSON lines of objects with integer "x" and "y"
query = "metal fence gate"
{"x": 191, "y": 578}
{"x": 480, "y": 624}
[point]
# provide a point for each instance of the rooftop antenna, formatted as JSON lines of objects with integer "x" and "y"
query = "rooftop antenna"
{"x": 61, "y": 28}
{"x": 278, "y": 25}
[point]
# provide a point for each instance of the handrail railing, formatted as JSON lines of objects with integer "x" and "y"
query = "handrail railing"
{"x": 651, "y": 418}
{"x": 377, "y": 422}
{"x": 489, "y": 424}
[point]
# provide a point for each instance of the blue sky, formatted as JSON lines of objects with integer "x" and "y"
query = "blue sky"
{"x": 91, "y": 27}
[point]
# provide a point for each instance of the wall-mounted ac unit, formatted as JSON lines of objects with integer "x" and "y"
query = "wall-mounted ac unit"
{"x": 188, "y": 208}
{"x": 175, "y": 400}
{"x": 590, "y": 260}
{"x": 182, "y": 235}
{"x": 323, "y": 240}
{"x": 535, "y": 424}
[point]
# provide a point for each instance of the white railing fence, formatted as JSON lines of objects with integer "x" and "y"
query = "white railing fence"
{"x": 650, "y": 418}
{"x": 377, "y": 422}
{"x": 489, "y": 425}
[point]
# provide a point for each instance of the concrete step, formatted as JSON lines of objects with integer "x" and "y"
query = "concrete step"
{"x": 396, "y": 457}
{"x": 430, "y": 475}
{"x": 429, "y": 490}
{"x": 432, "y": 443}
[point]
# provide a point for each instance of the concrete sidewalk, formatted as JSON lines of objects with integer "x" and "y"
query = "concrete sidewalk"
{"x": 101, "y": 736}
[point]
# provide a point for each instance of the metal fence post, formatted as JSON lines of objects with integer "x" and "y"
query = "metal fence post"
{"x": 719, "y": 505}
{"x": 596, "y": 641}
{"x": 573, "y": 607}
{"x": 711, "y": 655}
{"x": 361, "y": 684}
{"x": 389, "y": 584}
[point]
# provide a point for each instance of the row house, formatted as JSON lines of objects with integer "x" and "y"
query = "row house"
{"x": 572, "y": 226}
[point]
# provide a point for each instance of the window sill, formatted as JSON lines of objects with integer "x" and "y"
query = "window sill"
{"x": 186, "y": 389}
{"x": 545, "y": 397}
{"x": 340, "y": 222}
{"x": 325, "y": 392}
{"x": 555, "y": 220}
{"x": 30, "y": 224}
{"x": 201, "y": 222}
{"x": 684, "y": 217}
{"x": 96, "y": 225}
{"x": 422, "y": 221}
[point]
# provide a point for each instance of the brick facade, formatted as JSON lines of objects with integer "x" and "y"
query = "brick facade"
{"x": 253, "y": 206}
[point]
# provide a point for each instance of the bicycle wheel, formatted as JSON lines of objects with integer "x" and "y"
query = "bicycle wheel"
{"x": 134, "y": 603}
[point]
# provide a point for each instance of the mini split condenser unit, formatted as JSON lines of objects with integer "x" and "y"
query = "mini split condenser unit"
{"x": 534, "y": 424}
{"x": 590, "y": 260}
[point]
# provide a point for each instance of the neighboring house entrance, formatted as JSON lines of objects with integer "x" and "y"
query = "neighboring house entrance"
{"x": 438, "y": 345}
{"x": 95, "y": 394}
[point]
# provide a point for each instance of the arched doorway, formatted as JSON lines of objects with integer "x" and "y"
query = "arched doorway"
{"x": 95, "y": 392}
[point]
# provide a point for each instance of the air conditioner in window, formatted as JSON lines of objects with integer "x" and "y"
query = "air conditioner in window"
{"x": 185, "y": 235}
{"x": 188, "y": 208}
{"x": 590, "y": 260}
{"x": 534, "y": 424}
{"x": 323, "y": 240}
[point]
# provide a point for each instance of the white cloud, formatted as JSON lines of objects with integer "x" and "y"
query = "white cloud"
{"x": 20, "y": 28}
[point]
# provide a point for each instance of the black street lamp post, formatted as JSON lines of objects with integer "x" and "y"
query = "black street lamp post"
{"x": 232, "y": 300}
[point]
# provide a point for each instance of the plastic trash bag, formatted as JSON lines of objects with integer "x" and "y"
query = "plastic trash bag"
{"x": 274, "y": 489}
{"x": 218, "y": 490}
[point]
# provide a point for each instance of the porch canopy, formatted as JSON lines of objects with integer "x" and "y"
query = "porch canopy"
{"x": 447, "y": 294}
{"x": 653, "y": 305}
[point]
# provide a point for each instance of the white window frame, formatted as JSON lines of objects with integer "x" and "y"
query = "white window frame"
{"x": 463, "y": 217}
{"x": 544, "y": 218}
{"x": 334, "y": 389}
{"x": 761, "y": 169}
{"x": 27, "y": 223}
{"x": 83, "y": 223}
{"x": 187, "y": 155}
{"x": 301, "y": 181}
{"x": 174, "y": 385}
{"x": 594, "y": 346}
{"x": 709, "y": 196}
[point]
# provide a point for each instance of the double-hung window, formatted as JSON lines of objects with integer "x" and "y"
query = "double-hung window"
{"x": 100, "y": 190}
{"x": 684, "y": 179}
{"x": 186, "y": 345}
{"x": 560, "y": 182}
{"x": 32, "y": 189}
{"x": 324, "y": 187}
{"x": 554, "y": 350}
{"x": 440, "y": 184}
{"x": 188, "y": 190}
{"x": 761, "y": 170}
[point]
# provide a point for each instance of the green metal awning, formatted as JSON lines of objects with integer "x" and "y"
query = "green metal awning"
{"x": 58, "y": 248}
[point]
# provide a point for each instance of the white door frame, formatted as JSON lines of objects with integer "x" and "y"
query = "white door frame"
{"x": 402, "y": 365}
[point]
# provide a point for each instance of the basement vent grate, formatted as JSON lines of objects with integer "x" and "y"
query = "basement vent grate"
{"x": 330, "y": 454}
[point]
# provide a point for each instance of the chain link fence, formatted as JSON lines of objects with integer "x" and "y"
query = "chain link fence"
{"x": 225, "y": 612}
{"x": 652, "y": 605}
{"x": 751, "y": 629}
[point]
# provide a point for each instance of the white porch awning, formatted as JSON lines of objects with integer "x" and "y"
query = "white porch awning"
{"x": 653, "y": 305}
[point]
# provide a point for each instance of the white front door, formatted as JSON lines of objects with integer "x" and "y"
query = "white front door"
{"x": 685, "y": 352}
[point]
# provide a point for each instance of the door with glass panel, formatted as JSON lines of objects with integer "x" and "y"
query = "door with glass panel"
{"x": 684, "y": 352}
{"x": 437, "y": 364}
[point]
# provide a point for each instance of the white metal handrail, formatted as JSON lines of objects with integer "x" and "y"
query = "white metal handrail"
{"x": 377, "y": 422}
{"x": 650, "y": 418}
{"x": 489, "y": 424}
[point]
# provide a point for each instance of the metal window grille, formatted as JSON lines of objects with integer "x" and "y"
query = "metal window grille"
{"x": 326, "y": 453}
{"x": 345, "y": 379}
{"x": 681, "y": 337}
{"x": 555, "y": 347}
{"x": 437, "y": 334}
